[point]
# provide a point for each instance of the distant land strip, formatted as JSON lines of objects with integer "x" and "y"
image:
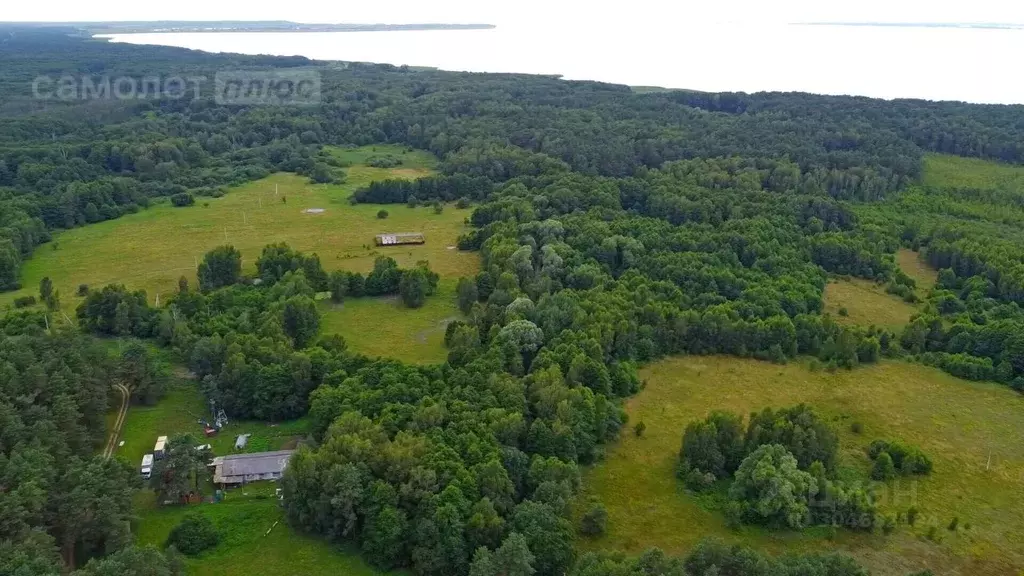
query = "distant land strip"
{"x": 982, "y": 25}
{"x": 241, "y": 26}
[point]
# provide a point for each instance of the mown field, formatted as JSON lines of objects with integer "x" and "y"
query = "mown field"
{"x": 970, "y": 430}
{"x": 152, "y": 249}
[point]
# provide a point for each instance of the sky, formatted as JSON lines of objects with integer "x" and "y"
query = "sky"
{"x": 523, "y": 12}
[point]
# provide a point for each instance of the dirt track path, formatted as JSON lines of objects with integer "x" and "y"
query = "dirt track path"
{"x": 115, "y": 433}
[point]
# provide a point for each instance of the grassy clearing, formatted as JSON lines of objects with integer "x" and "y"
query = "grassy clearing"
{"x": 178, "y": 413}
{"x": 866, "y": 303}
{"x": 385, "y": 327}
{"x": 150, "y": 250}
{"x": 245, "y": 515}
{"x": 944, "y": 171}
{"x": 245, "y": 548}
{"x": 914, "y": 265}
{"x": 958, "y": 424}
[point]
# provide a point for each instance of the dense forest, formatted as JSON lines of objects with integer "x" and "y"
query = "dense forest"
{"x": 614, "y": 229}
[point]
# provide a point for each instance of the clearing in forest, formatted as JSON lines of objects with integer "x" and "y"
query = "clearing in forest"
{"x": 913, "y": 264}
{"x": 969, "y": 429}
{"x": 246, "y": 514}
{"x": 866, "y": 304}
{"x": 386, "y": 327}
{"x": 152, "y": 249}
{"x": 944, "y": 171}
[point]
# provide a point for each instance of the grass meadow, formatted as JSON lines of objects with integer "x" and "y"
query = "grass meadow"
{"x": 970, "y": 430}
{"x": 386, "y": 327}
{"x": 866, "y": 304}
{"x": 914, "y": 265}
{"x": 152, "y": 249}
{"x": 944, "y": 171}
{"x": 246, "y": 547}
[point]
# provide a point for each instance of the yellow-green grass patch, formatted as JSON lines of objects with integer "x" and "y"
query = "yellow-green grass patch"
{"x": 866, "y": 304}
{"x": 970, "y": 430}
{"x": 152, "y": 249}
{"x": 386, "y": 327}
{"x": 913, "y": 264}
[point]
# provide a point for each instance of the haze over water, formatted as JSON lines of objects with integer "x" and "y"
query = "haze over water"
{"x": 971, "y": 64}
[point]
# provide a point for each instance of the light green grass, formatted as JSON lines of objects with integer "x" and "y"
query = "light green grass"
{"x": 943, "y": 171}
{"x": 412, "y": 159}
{"x": 959, "y": 424}
{"x": 245, "y": 548}
{"x": 386, "y": 327}
{"x": 866, "y": 304}
{"x": 150, "y": 250}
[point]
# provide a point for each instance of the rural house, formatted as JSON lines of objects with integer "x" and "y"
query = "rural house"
{"x": 241, "y": 468}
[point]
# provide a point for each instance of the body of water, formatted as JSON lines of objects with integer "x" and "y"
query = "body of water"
{"x": 971, "y": 64}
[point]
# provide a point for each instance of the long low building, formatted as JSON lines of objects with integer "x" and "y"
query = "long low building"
{"x": 241, "y": 468}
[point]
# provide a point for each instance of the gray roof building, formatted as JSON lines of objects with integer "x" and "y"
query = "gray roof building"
{"x": 241, "y": 468}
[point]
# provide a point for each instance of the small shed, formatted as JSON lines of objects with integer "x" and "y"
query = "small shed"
{"x": 400, "y": 238}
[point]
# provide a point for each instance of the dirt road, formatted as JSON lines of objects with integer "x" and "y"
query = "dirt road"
{"x": 115, "y": 433}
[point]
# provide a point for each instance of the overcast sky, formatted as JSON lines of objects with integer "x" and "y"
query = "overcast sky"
{"x": 521, "y": 12}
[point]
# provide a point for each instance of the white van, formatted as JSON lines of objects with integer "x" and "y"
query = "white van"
{"x": 147, "y": 466}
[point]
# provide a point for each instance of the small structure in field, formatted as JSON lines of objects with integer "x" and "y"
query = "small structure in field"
{"x": 400, "y": 238}
{"x": 238, "y": 469}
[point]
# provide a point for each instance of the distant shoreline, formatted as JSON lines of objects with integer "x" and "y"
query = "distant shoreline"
{"x": 977, "y": 25}
{"x": 231, "y": 26}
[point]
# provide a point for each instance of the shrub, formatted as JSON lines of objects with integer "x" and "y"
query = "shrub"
{"x": 183, "y": 199}
{"x": 83, "y": 290}
{"x": 595, "y": 521}
{"x": 24, "y": 301}
{"x": 384, "y": 161}
{"x": 857, "y": 427}
{"x": 911, "y": 515}
{"x": 382, "y": 214}
{"x": 954, "y": 523}
{"x": 883, "y": 469}
{"x": 462, "y": 203}
{"x": 194, "y": 534}
{"x": 639, "y": 428}
{"x": 908, "y": 460}
{"x": 844, "y": 312}
{"x": 438, "y": 208}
